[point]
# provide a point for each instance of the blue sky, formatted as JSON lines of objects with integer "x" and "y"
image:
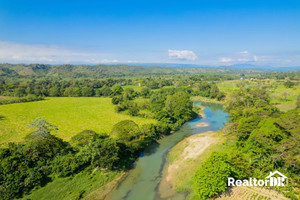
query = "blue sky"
{"x": 210, "y": 32}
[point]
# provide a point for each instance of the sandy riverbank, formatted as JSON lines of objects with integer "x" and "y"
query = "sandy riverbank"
{"x": 187, "y": 158}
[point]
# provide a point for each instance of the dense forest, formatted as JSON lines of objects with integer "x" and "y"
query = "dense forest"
{"x": 37, "y": 89}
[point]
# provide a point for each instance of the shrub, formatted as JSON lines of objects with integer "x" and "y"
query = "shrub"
{"x": 211, "y": 178}
{"x": 83, "y": 138}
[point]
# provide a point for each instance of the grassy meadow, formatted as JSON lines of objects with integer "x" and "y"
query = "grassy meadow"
{"x": 70, "y": 114}
{"x": 282, "y": 97}
{"x": 80, "y": 186}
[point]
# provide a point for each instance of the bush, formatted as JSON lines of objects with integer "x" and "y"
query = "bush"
{"x": 133, "y": 109}
{"x": 129, "y": 133}
{"x": 83, "y": 138}
{"x": 211, "y": 178}
{"x": 101, "y": 153}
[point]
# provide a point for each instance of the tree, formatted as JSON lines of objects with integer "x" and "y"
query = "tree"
{"x": 117, "y": 99}
{"x": 116, "y": 90}
{"x": 129, "y": 133}
{"x": 157, "y": 101}
{"x": 268, "y": 133}
{"x": 87, "y": 92}
{"x": 220, "y": 96}
{"x": 101, "y": 153}
{"x": 214, "y": 91}
{"x": 145, "y": 92}
{"x": 211, "y": 178}
{"x": 20, "y": 92}
{"x": 289, "y": 84}
{"x": 105, "y": 91}
{"x": 83, "y": 138}
{"x": 54, "y": 91}
{"x": 133, "y": 109}
{"x": 246, "y": 126}
{"x": 179, "y": 106}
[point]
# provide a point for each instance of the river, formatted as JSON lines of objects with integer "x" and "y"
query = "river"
{"x": 143, "y": 180}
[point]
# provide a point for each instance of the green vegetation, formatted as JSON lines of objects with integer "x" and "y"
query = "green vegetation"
{"x": 206, "y": 183}
{"x": 82, "y": 126}
{"x": 74, "y": 187}
{"x": 44, "y": 157}
{"x": 70, "y": 115}
{"x": 265, "y": 140}
{"x": 183, "y": 176}
{"x": 28, "y": 98}
{"x": 281, "y": 96}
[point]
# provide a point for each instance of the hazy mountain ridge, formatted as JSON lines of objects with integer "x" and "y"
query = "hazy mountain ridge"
{"x": 244, "y": 66}
{"x": 122, "y": 70}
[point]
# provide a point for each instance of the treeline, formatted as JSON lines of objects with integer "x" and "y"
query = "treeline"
{"x": 43, "y": 157}
{"x": 264, "y": 140}
{"x": 28, "y": 98}
{"x": 194, "y": 85}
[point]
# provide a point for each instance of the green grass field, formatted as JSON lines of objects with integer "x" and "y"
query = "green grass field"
{"x": 282, "y": 97}
{"x": 70, "y": 114}
{"x": 79, "y": 186}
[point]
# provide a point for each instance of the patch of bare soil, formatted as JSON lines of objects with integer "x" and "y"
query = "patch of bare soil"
{"x": 253, "y": 193}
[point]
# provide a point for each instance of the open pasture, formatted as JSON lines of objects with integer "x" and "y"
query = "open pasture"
{"x": 70, "y": 114}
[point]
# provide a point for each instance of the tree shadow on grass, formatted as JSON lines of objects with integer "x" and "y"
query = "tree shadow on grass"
{"x": 227, "y": 193}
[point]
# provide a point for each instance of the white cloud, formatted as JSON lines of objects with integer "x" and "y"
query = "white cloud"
{"x": 239, "y": 57}
{"x": 244, "y": 52}
{"x": 182, "y": 55}
{"x": 225, "y": 60}
{"x": 25, "y": 53}
{"x": 132, "y": 61}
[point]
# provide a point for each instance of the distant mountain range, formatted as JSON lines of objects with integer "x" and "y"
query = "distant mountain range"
{"x": 123, "y": 70}
{"x": 233, "y": 67}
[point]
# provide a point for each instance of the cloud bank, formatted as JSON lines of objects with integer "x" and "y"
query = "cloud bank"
{"x": 25, "y": 53}
{"x": 239, "y": 57}
{"x": 11, "y": 52}
{"x": 182, "y": 55}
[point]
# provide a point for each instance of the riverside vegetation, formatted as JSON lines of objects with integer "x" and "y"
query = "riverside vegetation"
{"x": 260, "y": 139}
{"x": 263, "y": 138}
